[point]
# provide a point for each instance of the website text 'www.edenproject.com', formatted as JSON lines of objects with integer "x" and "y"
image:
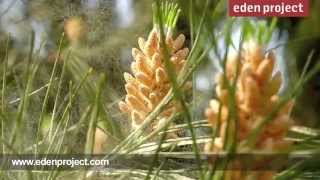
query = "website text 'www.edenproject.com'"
{"x": 47, "y": 163}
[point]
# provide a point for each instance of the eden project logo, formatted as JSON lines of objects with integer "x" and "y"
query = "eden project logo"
{"x": 281, "y": 8}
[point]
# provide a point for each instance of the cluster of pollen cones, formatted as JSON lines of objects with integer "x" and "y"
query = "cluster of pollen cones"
{"x": 149, "y": 84}
{"x": 256, "y": 96}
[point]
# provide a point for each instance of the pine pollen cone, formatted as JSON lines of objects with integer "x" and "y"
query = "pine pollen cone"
{"x": 149, "y": 84}
{"x": 75, "y": 29}
{"x": 256, "y": 96}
